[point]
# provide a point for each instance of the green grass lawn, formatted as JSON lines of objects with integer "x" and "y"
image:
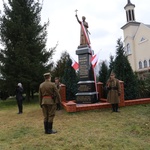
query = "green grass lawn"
{"x": 88, "y": 130}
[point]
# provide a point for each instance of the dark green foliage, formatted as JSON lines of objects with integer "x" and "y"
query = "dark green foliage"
{"x": 58, "y": 70}
{"x": 103, "y": 73}
{"x": 111, "y": 65}
{"x": 144, "y": 87}
{"x": 124, "y": 72}
{"x": 147, "y": 85}
{"x": 70, "y": 79}
{"x": 24, "y": 57}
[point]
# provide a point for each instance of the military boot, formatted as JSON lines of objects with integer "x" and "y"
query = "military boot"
{"x": 50, "y": 126}
{"x": 116, "y": 108}
{"x": 46, "y": 127}
{"x": 113, "y": 107}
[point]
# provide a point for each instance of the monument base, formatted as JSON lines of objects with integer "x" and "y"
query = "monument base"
{"x": 87, "y": 98}
{"x": 87, "y": 92}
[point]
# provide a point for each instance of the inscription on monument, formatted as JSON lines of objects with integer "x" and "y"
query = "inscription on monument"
{"x": 84, "y": 88}
{"x": 83, "y": 61}
{"x": 84, "y": 99}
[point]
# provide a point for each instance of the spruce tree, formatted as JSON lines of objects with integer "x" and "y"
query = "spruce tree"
{"x": 124, "y": 72}
{"x": 58, "y": 70}
{"x": 24, "y": 57}
{"x": 70, "y": 79}
{"x": 111, "y": 65}
{"x": 144, "y": 87}
{"x": 147, "y": 86}
{"x": 103, "y": 73}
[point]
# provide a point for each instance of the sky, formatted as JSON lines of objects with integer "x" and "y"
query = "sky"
{"x": 105, "y": 19}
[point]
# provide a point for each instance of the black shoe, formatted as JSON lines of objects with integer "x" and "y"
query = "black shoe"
{"x": 19, "y": 113}
{"x": 50, "y": 126}
{"x": 52, "y": 132}
{"x": 118, "y": 111}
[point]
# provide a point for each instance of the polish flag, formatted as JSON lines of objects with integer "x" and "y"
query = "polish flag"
{"x": 94, "y": 60}
{"x": 75, "y": 65}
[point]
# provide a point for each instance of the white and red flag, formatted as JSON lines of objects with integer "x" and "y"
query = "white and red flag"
{"x": 75, "y": 65}
{"x": 94, "y": 59}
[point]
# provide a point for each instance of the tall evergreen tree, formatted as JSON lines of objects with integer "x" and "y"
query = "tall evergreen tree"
{"x": 103, "y": 73}
{"x": 103, "y": 77}
{"x": 70, "y": 79}
{"x": 147, "y": 85}
{"x": 24, "y": 56}
{"x": 58, "y": 70}
{"x": 144, "y": 87}
{"x": 111, "y": 65}
{"x": 124, "y": 72}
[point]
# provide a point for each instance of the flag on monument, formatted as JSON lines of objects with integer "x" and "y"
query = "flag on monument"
{"x": 75, "y": 65}
{"x": 94, "y": 60}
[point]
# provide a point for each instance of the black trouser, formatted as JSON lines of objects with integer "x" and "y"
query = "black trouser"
{"x": 20, "y": 107}
{"x": 115, "y": 107}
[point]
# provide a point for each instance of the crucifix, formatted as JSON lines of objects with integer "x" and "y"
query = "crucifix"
{"x": 76, "y": 11}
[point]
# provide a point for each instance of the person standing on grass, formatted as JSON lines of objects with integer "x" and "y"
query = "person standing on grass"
{"x": 19, "y": 97}
{"x": 48, "y": 94}
{"x": 114, "y": 90}
{"x": 58, "y": 86}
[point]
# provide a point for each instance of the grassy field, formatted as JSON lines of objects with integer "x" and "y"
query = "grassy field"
{"x": 89, "y": 130}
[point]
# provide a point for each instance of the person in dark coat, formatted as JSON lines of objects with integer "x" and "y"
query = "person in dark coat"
{"x": 114, "y": 91}
{"x": 19, "y": 97}
{"x": 48, "y": 94}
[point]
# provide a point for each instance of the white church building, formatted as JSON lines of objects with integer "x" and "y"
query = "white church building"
{"x": 137, "y": 42}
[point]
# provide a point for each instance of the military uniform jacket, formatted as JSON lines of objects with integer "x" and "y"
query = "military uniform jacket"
{"x": 114, "y": 90}
{"x": 48, "y": 93}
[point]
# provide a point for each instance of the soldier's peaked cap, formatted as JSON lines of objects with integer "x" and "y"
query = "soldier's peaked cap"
{"x": 47, "y": 74}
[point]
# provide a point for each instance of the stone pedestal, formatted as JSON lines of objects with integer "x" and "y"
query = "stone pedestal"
{"x": 86, "y": 85}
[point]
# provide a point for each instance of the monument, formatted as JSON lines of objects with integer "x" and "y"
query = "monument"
{"x": 87, "y": 88}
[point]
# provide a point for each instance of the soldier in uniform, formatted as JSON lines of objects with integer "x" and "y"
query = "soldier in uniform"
{"x": 48, "y": 94}
{"x": 58, "y": 86}
{"x": 57, "y": 83}
{"x": 114, "y": 90}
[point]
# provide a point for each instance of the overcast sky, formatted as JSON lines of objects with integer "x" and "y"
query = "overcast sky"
{"x": 105, "y": 18}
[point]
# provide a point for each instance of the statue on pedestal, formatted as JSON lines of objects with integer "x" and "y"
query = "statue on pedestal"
{"x": 87, "y": 88}
{"x": 84, "y": 33}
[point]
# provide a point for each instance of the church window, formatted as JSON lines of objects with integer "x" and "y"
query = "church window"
{"x": 128, "y": 49}
{"x": 133, "y": 15}
{"x": 145, "y": 64}
{"x": 140, "y": 65}
{"x": 143, "y": 40}
{"x": 129, "y": 15}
